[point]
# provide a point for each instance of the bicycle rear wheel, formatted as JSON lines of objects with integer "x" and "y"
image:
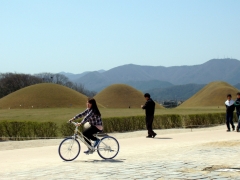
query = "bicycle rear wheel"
{"x": 69, "y": 149}
{"x": 108, "y": 148}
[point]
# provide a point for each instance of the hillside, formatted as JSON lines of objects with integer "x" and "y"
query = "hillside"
{"x": 121, "y": 96}
{"x": 214, "y": 70}
{"x": 74, "y": 77}
{"x": 146, "y": 85}
{"x": 213, "y": 94}
{"x": 177, "y": 92}
{"x": 44, "y": 95}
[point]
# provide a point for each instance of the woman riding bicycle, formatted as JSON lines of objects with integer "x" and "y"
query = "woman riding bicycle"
{"x": 93, "y": 116}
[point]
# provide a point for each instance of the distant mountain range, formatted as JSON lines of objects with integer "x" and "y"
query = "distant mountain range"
{"x": 237, "y": 86}
{"x": 177, "y": 92}
{"x": 74, "y": 77}
{"x": 151, "y": 78}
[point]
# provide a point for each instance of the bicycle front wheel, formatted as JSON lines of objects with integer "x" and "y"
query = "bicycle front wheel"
{"x": 108, "y": 148}
{"x": 69, "y": 149}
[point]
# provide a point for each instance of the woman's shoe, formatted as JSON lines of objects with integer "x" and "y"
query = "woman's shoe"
{"x": 88, "y": 152}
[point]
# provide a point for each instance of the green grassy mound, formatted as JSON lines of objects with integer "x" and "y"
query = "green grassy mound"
{"x": 213, "y": 94}
{"x": 44, "y": 95}
{"x": 121, "y": 96}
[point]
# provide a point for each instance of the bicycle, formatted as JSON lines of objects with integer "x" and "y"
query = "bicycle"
{"x": 69, "y": 148}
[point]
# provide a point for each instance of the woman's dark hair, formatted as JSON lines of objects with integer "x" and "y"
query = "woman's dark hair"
{"x": 94, "y": 106}
{"x": 229, "y": 95}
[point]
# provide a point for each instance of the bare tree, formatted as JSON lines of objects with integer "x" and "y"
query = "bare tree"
{"x": 63, "y": 80}
{"x": 10, "y": 82}
{"x": 46, "y": 77}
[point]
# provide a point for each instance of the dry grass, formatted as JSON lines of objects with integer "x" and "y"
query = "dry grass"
{"x": 213, "y": 94}
{"x": 60, "y": 115}
{"x": 48, "y": 95}
{"x": 51, "y": 102}
{"x": 121, "y": 96}
{"x": 42, "y": 96}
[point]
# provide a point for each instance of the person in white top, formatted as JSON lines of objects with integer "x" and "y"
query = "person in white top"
{"x": 229, "y": 112}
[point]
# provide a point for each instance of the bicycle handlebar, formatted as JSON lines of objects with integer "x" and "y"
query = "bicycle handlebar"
{"x": 73, "y": 122}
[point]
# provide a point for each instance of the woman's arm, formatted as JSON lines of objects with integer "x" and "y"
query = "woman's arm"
{"x": 86, "y": 119}
{"x": 81, "y": 114}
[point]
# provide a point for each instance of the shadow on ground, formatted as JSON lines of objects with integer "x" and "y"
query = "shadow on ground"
{"x": 102, "y": 161}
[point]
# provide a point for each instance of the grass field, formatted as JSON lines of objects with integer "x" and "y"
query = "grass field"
{"x": 60, "y": 115}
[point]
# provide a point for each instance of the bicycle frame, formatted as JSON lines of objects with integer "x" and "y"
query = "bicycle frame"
{"x": 69, "y": 150}
{"x": 78, "y": 134}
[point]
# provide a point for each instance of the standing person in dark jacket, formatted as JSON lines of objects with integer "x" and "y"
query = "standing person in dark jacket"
{"x": 237, "y": 105}
{"x": 149, "y": 109}
{"x": 229, "y": 112}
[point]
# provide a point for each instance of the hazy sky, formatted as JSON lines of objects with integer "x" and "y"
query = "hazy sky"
{"x": 76, "y": 36}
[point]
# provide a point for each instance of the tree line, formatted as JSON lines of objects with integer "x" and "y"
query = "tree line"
{"x": 10, "y": 82}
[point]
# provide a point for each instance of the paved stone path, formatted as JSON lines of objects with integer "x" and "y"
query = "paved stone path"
{"x": 119, "y": 170}
{"x": 171, "y": 156}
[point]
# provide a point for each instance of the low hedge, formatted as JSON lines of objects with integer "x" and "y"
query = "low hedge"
{"x": 32, "y": 130}
{"x": 124, "y": 124}
{"x": 201, "y": 120}
{"x": 67, "y": 129}
{"x": 133, "y": 123}
{"x": 11, "y": 130}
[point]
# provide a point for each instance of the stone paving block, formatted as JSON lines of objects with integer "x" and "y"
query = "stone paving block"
{"x": 192, "y": 160}
{"x": 215, "y": 177}
{"x": 172, "y": 173}
{"x": 122, "y": 177}
{"x": 157, "y": 176}
{"x": 137, "y": 177}
{"x": 175, "y": 176}
{"x": 148, "y": 171}
{"x": 214, "y": 173}
{"x": 150, "y": 178}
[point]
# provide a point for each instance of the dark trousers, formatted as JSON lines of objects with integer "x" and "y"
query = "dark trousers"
{"x": 238, "y": 118}
{"x": 229, "y": 120}
{"x": 149, "y": 121}
{"x": 89, "y": 133}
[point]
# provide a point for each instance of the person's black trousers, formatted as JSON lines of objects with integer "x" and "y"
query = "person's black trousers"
{"x": 238, "y": 118}
{"x": 89, "y": 133}
{"x": 229, "y": 120}
{"x": 149, "y": 121}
